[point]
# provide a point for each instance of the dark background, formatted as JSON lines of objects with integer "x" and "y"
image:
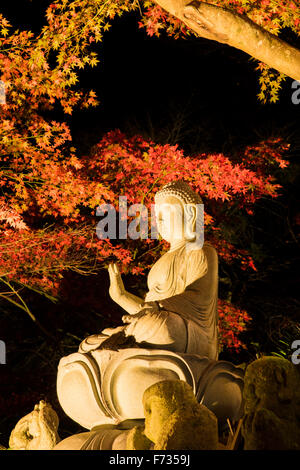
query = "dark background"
{"x": 201, "y": 95}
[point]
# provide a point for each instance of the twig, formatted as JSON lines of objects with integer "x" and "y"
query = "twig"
{"x": 234, "y": 440}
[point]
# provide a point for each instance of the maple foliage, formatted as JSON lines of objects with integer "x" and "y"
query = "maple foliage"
{"x": 74, "y": 26}
{"x": 232, "y": 322}
{"x": 49, "y": 194}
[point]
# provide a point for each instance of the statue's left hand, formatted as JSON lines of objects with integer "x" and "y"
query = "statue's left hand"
{"x": 131, "y": 318}
{"x": 147, "y": 309}
{"x": 116, "y": 288}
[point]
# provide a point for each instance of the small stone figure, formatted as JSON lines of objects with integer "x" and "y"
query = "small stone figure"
{"x": 272, "y": 405}
{"x": 174, "y": 420}
{"x": 37, "y": 430}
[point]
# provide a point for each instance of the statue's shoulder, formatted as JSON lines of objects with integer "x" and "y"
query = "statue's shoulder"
{"x": 199, "y": 254}
{"x": 195, "y": 265}
{"x": 210, "y": 251}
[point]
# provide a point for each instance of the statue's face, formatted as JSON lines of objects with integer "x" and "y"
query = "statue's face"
{"x": 170, "y": 219}
{"x": 270, "y": 383}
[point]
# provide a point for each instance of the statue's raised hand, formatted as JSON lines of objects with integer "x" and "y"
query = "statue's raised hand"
{"x": 116, "y": 288}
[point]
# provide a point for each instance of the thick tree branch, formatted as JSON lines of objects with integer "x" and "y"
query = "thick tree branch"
{"x": 225, "y": 26}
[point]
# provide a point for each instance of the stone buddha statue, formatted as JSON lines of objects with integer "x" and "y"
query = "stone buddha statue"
{"x": 179, "y": 312}
{"x": 171, "y": 334}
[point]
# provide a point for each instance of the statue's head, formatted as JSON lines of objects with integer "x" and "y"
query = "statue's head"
{"x": 179, "y": 212}
{"x": 271, "y": 383}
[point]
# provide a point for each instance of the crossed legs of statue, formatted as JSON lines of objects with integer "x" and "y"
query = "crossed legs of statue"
{"x": 163, "y": 330}
{"x": 109, "y": 338}
{"x": 155, "y": 330}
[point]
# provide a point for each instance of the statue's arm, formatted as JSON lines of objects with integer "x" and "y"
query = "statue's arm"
{"x": 129, "y": 302}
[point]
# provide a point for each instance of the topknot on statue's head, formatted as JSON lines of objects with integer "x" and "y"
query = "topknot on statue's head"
{"x": 179, "y": 189}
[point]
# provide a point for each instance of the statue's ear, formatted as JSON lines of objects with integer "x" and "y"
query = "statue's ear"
{"x": 190, "y": 216}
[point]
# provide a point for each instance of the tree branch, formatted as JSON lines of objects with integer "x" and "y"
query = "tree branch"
{"x": 227, "y": 27}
